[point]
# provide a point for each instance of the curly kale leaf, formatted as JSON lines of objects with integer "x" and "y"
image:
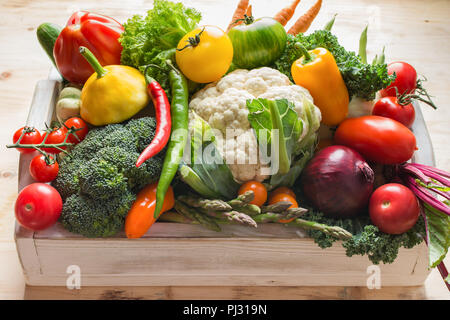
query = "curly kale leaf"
{"x": 362, "y": 80}
{"x": 367, "y": 239}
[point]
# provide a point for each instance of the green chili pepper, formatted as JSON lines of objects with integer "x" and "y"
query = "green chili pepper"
{"x": 363, "y": 45}
{"x": 330, "y": 23}
{"x": 178, "y": 138}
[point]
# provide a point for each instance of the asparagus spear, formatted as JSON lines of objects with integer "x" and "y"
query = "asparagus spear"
{"x": 193, "y": 214}
{"x": 207, "y": 204}
{"x": 242, "y": 204}
{"x": 333, "y": 231}
{"x": 234, "y": 217}
{"x": 278, "y": 207}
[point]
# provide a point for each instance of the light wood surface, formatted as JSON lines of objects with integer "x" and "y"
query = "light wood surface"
{"x": 413, "y": 31}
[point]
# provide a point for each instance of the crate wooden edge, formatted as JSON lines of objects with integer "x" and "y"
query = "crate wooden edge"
{"x": 41, "y": 111}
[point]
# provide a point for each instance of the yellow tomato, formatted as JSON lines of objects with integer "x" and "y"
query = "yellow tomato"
{"x": 204, "y": 55}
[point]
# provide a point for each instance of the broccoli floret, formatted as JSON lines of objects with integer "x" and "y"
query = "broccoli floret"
{"x": 91, "y": 218}
{"x": 67, "y": 181}
{"x": 143, "y": 129}
{"x": 101, "y": 179}
{"x": 99, "y": 176}
{"x": 108, "y": 136}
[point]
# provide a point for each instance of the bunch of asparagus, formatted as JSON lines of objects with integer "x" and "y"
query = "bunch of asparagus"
{"x": 210, "y": 213}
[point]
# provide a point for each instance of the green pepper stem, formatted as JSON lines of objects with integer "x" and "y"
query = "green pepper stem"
{"x": 89, "y": 56}
{"x": 304, "y": 52}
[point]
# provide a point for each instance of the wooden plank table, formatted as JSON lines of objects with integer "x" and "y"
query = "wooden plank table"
{"x": 413, "y": 31}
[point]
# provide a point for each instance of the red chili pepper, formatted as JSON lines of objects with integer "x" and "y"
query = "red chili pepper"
{"x": 163, "y": 120}
{"x": 96, "y": 32}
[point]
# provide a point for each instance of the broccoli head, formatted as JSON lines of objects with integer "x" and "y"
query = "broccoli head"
{"x": 91, "y": 218}
{"x": 99, "y": 176}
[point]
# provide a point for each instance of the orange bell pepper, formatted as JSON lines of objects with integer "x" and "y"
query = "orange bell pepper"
{"x": 318, "y": 72}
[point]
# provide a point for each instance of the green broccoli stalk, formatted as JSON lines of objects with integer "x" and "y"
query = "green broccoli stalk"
{"x": 99, "y": 180}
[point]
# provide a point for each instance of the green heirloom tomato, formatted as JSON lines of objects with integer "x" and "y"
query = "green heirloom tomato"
{"x": 257, "y": 43}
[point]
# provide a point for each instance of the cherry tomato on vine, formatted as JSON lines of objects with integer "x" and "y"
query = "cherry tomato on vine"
{"x": 55, "y": 137}
{"x": 31, "y": 136}
{"x": 43, "y": 169}
{"x": 405, "y": 82}
{"x": 258, "y": 189}
{"x": 389, "y": 107}
{"x": 38, "y": 206}
{"x": 393, "y": 208}
{"x": 77, "y": 123}
{"x": 204, "y": 54}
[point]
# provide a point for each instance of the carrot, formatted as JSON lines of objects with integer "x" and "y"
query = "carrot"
{"x": 140, "y": 217}
{"x": 303, "y": 23}
{"x": 248, "y": 12}
{"x": 285, "y": 14}
{"x": 238, "y": 13}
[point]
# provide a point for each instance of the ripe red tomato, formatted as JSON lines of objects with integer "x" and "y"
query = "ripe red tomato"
{"x": 56, "y": 136}
{"x": 378, "y": 139}
{"x": 31, "y": 136}
{"x": 405, "y": 81}
{"x": 258, "y": 189}
{"x": 42, "y": 169}
{"x": 393, "y": 208}
{"x": 76, "y": 123}
{"x": 390, "y": 108}
{"x": 38, "y": 206}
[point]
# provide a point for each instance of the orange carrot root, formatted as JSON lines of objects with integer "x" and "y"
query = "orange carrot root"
{"x": 303, "y": 23}
{"x": 249, "y": 11}
{"x": 285, "y": 14}
{"x": 238, "y": 13}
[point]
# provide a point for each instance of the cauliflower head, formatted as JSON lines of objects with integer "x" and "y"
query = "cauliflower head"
{"x": 223, "y": 105}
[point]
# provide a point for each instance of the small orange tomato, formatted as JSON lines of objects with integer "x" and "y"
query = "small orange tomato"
{"x": 284, "y": 190}
{"x": 284, "y": 197}
{"x": 258, "y": 189}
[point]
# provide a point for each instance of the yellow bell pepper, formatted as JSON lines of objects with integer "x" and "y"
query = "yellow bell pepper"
{"x": 112, "y": 94}
{"x": 318, "y": 72}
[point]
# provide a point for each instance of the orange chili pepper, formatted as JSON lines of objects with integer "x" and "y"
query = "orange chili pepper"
{"x": 140, "y": 217}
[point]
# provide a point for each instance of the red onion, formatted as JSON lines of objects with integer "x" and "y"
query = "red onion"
{"x": 338, "y": 182}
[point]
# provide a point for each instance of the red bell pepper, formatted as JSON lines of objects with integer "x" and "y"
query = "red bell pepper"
{"x": 98, "y": 33}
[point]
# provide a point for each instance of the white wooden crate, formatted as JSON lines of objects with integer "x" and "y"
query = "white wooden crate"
{"x": 181, "y": 254}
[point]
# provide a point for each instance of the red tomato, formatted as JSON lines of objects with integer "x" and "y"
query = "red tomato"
{"x": 378, "y": 139}
{"x": 31, "y": 136}
{"x": 42, "y": 171}
{"x": 390, "y": 108}
{"x": 405, "y": 81}
{"x": 393, "y": 208}
{"x": 259, "y": 190}
{"x": 38, "y": 206}
{"x": 56, "y": 136}
{"x": 76, "y": 123}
